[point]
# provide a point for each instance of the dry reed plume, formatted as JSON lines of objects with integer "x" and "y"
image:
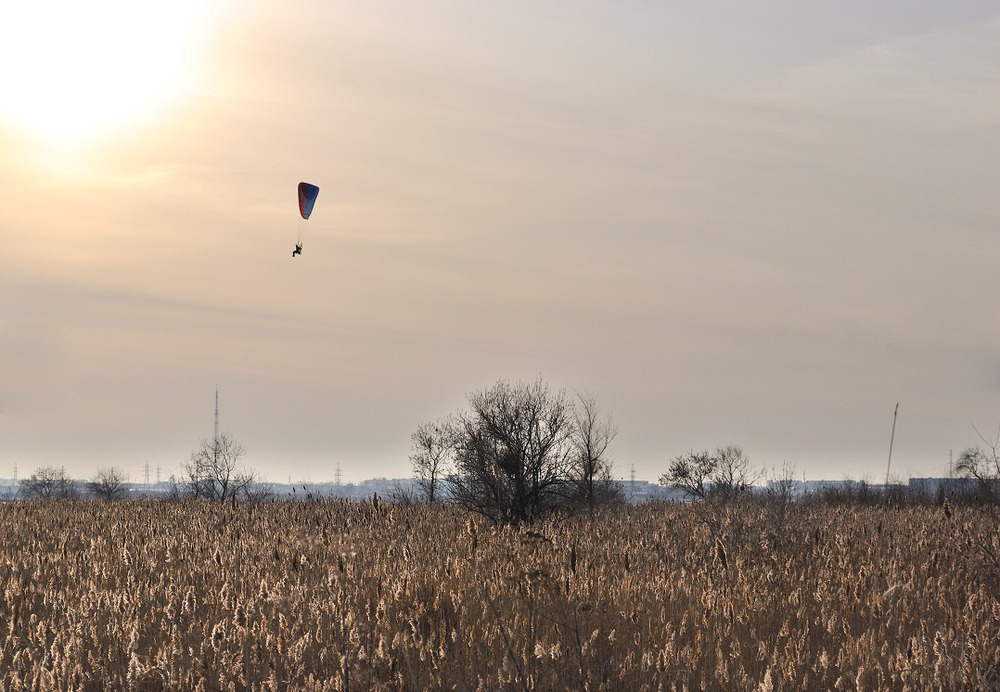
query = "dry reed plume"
{"x": 335, "y": 595}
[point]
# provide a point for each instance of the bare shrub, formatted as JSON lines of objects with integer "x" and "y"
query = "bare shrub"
{"x": 48, "y": 483}
{"x": 109, "y": 484}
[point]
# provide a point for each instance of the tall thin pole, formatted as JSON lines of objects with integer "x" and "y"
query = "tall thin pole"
{"x": 891, "y": 438}
{"x": 215, "y": 440}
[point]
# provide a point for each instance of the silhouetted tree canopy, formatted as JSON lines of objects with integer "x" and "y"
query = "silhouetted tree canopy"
{"x": 214, "y": 472}
{"x": 48, "y": 482}
{"x": 725, "y": 473}
{"x": 109, "y": 484}
{"x": 520, "y": 452}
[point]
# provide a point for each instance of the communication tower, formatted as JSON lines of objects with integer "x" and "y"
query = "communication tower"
{"x": 215, "y": 437}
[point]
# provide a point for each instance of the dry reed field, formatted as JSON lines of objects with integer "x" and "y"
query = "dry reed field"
{"x": 333, "y": 595}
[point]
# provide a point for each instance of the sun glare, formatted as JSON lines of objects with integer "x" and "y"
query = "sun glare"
{"x": 74, "y": 71}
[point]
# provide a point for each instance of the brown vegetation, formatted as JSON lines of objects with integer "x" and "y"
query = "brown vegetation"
{"x": 337, "y": 595}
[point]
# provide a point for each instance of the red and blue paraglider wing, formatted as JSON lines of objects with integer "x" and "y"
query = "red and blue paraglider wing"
{"x": 307, "y": 198}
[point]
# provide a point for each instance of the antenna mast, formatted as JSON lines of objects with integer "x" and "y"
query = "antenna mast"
{"x": 215, "y": 440}
{"x": 891, "y": 438}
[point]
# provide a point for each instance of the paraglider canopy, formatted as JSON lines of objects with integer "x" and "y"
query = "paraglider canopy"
{"x": 307, "y": 198}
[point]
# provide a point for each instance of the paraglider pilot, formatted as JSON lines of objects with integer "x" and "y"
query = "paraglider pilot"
{"x": 297, "y": 250}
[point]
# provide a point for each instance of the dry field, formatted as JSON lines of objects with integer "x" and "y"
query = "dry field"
{"x": 336, "y": 595}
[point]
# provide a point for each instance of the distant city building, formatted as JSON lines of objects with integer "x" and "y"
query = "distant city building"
{"x": 643, "y": 491}
{"x": 8, "y": 489}
{"x": 944, "y": 487}
{"x": 633, "y": 490}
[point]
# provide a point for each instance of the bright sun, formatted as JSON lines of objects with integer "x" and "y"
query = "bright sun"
{"x": 73, "y": 71}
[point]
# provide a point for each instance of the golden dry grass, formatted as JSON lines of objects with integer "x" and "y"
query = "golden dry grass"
{"x": 337, "y": 595}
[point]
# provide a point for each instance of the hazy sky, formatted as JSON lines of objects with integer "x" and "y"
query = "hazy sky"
{"x": 754, "y": 223}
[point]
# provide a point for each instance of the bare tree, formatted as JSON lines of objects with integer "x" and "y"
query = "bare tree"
{"x": 433, "y": 444}
{"x": 512, "y": 453}
{"x": 782, "y": 485}
{"x": 983, "y": 464}
{"x": 48, "y": 482}
{"x": 109, "y": 484}
{"x": 691, "y": 473}
{"x": 734, "y": 475}
{"x": 256, "y": 492}
{"x": 593, "y": 432}
{"x": 520, "y": 452}
{"x": 214, "y": 473}
{"x": 725, "y": 474}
